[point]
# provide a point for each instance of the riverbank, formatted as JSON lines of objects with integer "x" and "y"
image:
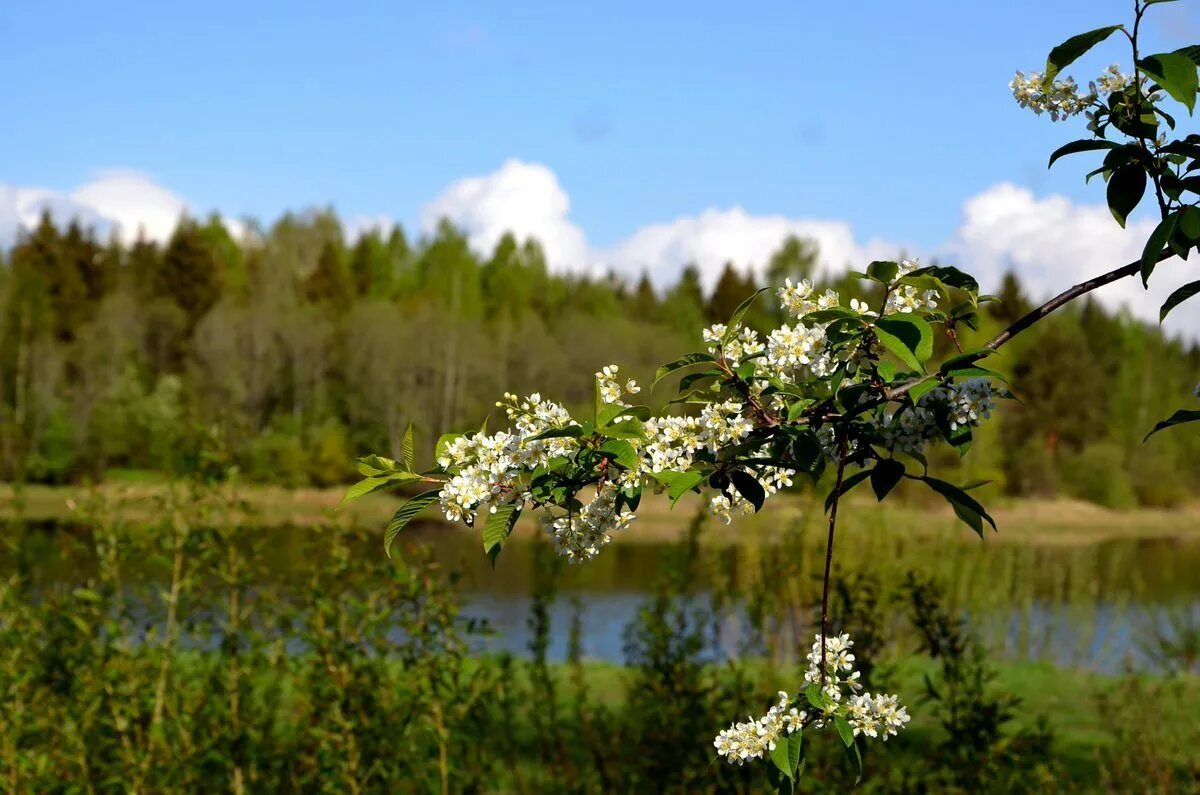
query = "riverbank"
{"x": 1040, "y": 522}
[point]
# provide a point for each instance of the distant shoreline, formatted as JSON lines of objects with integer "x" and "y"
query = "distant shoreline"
{"x": 1026, "y": 521}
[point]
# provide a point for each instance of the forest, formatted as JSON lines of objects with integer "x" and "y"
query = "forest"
{"x": 294, "y": 349}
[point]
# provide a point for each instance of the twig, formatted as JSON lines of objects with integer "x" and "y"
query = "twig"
{"x": 837, "y": 497}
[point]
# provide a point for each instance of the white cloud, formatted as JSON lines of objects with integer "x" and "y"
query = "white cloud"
{"x": 716, "y": 237}
{"x": 1052, "y": 243}
{"x": 124, "y": 201}
{"x": 524, "y": 198}
{"x": 133, "y": 202}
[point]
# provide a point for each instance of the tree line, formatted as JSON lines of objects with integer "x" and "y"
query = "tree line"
{"x": 293, "y": 349}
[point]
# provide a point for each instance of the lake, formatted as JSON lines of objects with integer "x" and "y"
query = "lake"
{"x": 1105, "y": 606}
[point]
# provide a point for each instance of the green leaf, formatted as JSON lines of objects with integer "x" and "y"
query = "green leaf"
{"x": 1155, "y": 245}
{"x": 1176, "y": 73}
{"x": 817, "y": 697}
{"x": 749, "y": 487}
{"x": 626, "y": 429}
{"x": 367, "y": 485}
{"x": 736, "y": 318}
{"x": 1086, "y": 145}
{"x": 679, "y": 364}
{"x": 921, "y": 388}
{"x": 1189, "y": 223}
{"x": 376, "y": 465}
{"x": 844, "y": 731}
{"x": 407, "y": 512}
{"x": 884, "y": 477}
{"x": 1178, "y": 418}
{"x": 498, "y": 527}
{"x": 883, "y": 271}
{"x": 949, "y": 276}
{"x": 1192, "y": 53}
{"x": 966, "y": 506}
{"x": 1066, "y": 53}
{"x": 855, "y": 757}
{"x": 678, "y": 483}
{"x": 1125, "y": 190}
{"x": 608, "y": 413}
{"x": 569, "y": 432}
{"x": 406, "y": 448}
{"x": 620, "y": 451}
{"x": 964, "y": 361}
{"x": 1178, "y": 297}
{"x": 787, "y": 754}
{"x": 909, "y": 338}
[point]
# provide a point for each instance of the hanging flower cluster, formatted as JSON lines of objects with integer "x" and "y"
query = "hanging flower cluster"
{"x": 832, "y": 697}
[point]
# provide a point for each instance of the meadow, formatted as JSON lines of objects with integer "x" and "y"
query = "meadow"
{"x": 172, "y": 637}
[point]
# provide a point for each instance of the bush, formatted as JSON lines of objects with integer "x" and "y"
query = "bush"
{"x": 1098, "y": 474}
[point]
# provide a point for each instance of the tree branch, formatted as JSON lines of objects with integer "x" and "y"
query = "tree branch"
{"x": 1032, "y": 317}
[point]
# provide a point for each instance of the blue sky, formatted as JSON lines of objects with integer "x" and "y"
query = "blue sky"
{"x": 884, "y": 116}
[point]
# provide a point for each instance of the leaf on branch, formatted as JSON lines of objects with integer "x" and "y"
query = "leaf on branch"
{"x": 844, "y": 731}
{"x": 1155, "y": 245}
{"x": 749, "y": 487}
{"x": 739, "y": 313}
{"x": 1178, "y": 418}
{"x": 964, "y": 360}
{"x": 1085, "y": 145}
{"x": 909, "y": 338}
{"x": 620, "y": 451}
{"x": 569, "y": 432}
{"x": 498, "y": 528}
{"x": 406, "y": 448}
{"x": 372, "y": 465}
{"x": 883, "y": 271}
{"x": 1066, "y": 53}
{"x": 407, "y": 512}
{"x": 965, "y": 506}
{"x": 1178, "y": 297}
{"x": 1125, "y": 190}
{"x": 367, "y": 485}
{"x": 678, "y": 483}
{"x": 884, "y": 477}
{"x": 1176, "y": 73}
{"x": 679, "y": 364}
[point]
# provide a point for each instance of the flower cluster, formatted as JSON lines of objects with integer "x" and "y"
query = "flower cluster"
{"x": 970, "y": 402}
{"x": 580, "y": 537}
{"x": 798, "y": 299}
{"x": 742, "y": 346}
{"x": 757, "y": 737}
{"x": 838, "y": 669}
{"x": 727, "y": 504}
{"x": 868, "y": 715}
{"x": 1063, "y": 99}
{"x": 674, "y": 440}
{"x": 872, "y": 716}
{"x": 1059, "y": 98}
{"x": 612, "y": 390}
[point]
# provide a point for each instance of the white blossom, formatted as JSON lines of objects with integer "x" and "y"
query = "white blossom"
{"x": 611, "y": 389}
{"x": 871, "y": 716}
{"x": 1060, "y": 98}
{"x": 580, "y": 537}
{"x": 757, "y": 737}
